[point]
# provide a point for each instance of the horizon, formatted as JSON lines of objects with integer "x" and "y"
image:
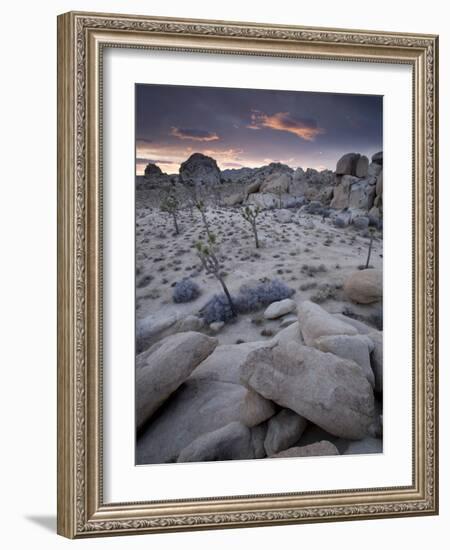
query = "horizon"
{"x": 250, "y": 128}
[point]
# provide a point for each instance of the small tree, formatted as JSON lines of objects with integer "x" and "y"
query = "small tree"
{"x": 279, "y": 192}
{"x": 200, "y": 205}
{"x": 207, "y": 253}
{"x": 171, "y": 205}
{"x": 369, "y": 252}
{"x": 250, "y": 215}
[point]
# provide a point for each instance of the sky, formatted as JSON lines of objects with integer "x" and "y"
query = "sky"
{"x": 244, "y": 127}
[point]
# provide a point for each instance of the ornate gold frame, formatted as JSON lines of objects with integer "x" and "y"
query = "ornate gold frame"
{"x": 81, "y": 37}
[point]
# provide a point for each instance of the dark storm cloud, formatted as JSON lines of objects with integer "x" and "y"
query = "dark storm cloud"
{"x": 241, "y": 127}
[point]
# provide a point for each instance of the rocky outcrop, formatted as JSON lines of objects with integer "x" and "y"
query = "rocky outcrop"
{"x": 331, "y": 392}
{"x": 153, "y": 177}
{"x": 365, "y": 286}
{"x": 200, "y": 169}
{"x": 164, "y": 367}
{"x": 359, "y": 186}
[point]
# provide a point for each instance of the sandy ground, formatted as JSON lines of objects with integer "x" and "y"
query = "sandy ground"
{"x": 305, "y": 253}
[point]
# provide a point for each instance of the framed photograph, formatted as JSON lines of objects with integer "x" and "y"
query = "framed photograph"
{"x": 247, "y": 276}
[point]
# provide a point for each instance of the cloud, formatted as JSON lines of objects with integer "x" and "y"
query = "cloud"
{"x": 193, "y": 134}
{"x": 304, "y": 128}
{"x": 232, "y": 164}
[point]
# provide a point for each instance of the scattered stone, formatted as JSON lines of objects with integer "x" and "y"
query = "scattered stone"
{"x": 361, "y": 222}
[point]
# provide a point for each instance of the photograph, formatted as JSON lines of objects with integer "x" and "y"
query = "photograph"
{"x": 259, "y": 274}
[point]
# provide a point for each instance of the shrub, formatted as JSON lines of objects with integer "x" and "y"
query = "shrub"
{"x": 217, "y": 309}
{"x": 185, "y": 290}
{"x": 248, "y": 299}
{"x": 324, "y": 293}
{"x": 261, "y": 295}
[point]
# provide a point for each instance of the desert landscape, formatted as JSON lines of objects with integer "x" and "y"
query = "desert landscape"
{"x": 259, "y": 320}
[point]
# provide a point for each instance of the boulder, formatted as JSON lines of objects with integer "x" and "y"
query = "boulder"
{"x": 321, "y": 448}
{"x": 374, "y": 169}
{"x": 374, "y": 215}
{"x": 361, "y": 222}
{"x": 278, "y": 183}
{"x": 316, "y": 322}
{"x": 329, "y": 391}
{"x": 361, "y": 195}
{"x": 283, "y": 430}
{"x": 234, "y": 199}
{"x": 280, "y": 308}
{"x": 378, "y": 158}
{"x": 362, "y": 328}
{"x": 200, "y": 169}
{"x": 362, "y": 165}
{"x": 365, "y": 286}
{"x": 263, "y": 200}
{"x": 201, "y": 405}
{"x": 152, "y": 327}
{"x": 235, "y": 441}
{"x": 189, "y": 323}
{"x": 356, "y": 348}
{"x": 377, "y": 359}
{"x": 284, "y": 216}
{"x": 341, "y": 193}
{"x": 253, "y": 187}
{"x": 289, "y": 333}
{"x": 288, "y": 320}
{"x": 346, "y": 165}
{"x": 368, "y": 445}
{"x": 164, "y": 367}
{"x": 379, "y": 185}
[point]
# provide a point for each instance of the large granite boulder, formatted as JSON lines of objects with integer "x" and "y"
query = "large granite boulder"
{"x": 341, "y": 193}
{"x": 377, "y": 359}
{"x": 347, "y": 164}
{"x": 235, "y": 441}
{"x": 361, "y": 195}
{"x": 356, "y": 348}
{"x": 278, "y": 183}
{"x": 365, "y": 286}
{"x": 164, "y": 367}
{"x": 329, "y": 391}
{"x": 321, "y": 448}
{"x": 315, "y": 322}
{"x": 378, "y": 158}
{"x": 362, "y": 166}
{"x": 200, "y": 169}
{"x": 263, "y": 200}
{"x": 283, "y": 430}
